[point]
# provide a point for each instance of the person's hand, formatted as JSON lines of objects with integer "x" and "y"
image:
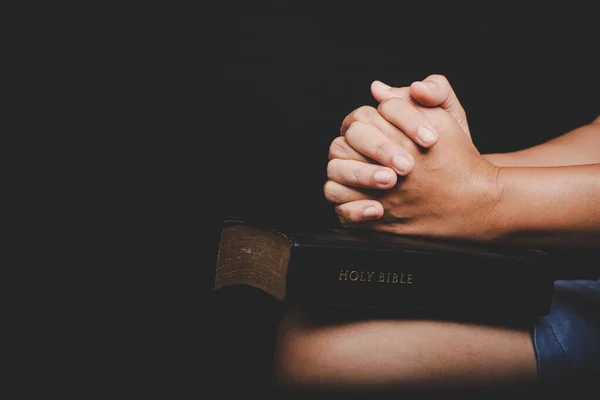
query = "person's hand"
{"x": 450, "y": 190}
{"x": 434, "y": 91}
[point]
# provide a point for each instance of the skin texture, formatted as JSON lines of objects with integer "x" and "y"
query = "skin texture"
{"x": 580, "y": 146}
{"x": 399, "y": 354}
{"x": 448, "y": 189}
{"x": 438, "y": 196}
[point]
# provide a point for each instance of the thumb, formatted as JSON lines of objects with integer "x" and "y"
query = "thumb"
{"x": 434, "y": 91}
{"x": 381, "y": 91}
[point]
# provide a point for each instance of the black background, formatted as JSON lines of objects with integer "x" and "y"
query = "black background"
{"x": 194, "y": 108}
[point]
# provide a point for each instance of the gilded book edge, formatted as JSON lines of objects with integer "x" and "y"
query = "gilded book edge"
{"x": 253, "y": 256}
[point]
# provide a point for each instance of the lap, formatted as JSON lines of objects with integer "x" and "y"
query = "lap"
{"x": 404, "y": 352}
{"x": 567, "y": 340}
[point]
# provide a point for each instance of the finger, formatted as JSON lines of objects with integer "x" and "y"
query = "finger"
{"x": 365, "y": 114}
{"x": 340, "y": 149}
{"x": 370, "y": 115}
{"x": 410, "y": 120}
{"x": 373, "y": 143}
{"x": 382, "y": 91}
{"x": 359, "y": 211}
{"x": 392, "y": 110}
{"x": 339, "y": 194}
{"x": 435, "y": 90}
{"x": 360, "y": 175}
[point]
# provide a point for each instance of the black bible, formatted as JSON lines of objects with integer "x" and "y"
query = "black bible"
{"x": 379, "y": 272}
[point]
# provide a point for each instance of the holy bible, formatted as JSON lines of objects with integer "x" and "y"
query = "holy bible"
{"x": 347, "y": 268}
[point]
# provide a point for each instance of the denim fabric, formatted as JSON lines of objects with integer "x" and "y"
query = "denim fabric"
{"x": 567, "y": 340}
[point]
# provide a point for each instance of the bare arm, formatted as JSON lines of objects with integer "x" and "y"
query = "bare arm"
{"x": 360, "y": 357}
{"x": 548, "y": 206}
{"x": 577, "y": 147}
{"x": 454, "y": 192}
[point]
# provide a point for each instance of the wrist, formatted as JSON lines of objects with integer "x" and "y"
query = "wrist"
{"x": 493, "y": 158}
{"x": 492, "y": 223}
{"x": 499, "y": 218}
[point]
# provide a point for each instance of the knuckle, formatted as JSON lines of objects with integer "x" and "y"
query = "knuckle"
{"x": 339, "y": 210}
{"x": 388, "y": 105}
{"x": 354, "y": 130}
{"x": 345, "y": 122}
{"x": 382, "y": 150}
{"x": 346, "y": 214}
{"x": 364, "y": 113}
{"x": 331, "y": 168}
{"x": 331, "y": 194}
{"x": 337, "y": 149}
{"x": 358, "y": 178}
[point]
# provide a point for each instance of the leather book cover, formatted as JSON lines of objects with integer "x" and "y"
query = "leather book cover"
{"x": 361, "y": 269}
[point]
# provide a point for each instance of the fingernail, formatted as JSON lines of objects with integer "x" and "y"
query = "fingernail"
{"x": 400, "y": 162}
{"x": 382, "y": 176}
{"x": 382, "y": 85}
{"x": 371, "y": 212}
{"x": 426, "y": 135}
{"x": 430, "y": 84}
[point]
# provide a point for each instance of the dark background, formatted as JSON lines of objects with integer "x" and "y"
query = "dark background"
{"x": 195, "y": 108}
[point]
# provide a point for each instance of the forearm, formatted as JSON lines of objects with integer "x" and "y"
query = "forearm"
{"x": 375, "y": 354}
{"x": 548, "y": 206}
{"x": 577, "y": 147}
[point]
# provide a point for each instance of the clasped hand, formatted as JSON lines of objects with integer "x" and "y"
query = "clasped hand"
{"x": 410, "y": 167}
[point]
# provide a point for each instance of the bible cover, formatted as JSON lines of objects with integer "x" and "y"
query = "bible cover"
{"x": 346, "y": 268}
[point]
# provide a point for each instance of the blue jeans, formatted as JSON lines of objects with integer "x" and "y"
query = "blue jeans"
{"x": 567, "y": 340}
